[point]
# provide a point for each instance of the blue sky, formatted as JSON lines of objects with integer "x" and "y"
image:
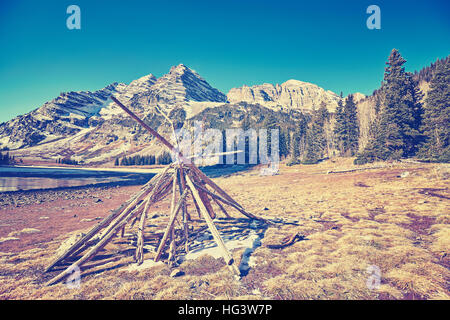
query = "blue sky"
{"x": 230, "y": 43}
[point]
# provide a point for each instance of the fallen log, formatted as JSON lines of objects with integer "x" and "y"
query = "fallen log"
{"x": 354, "y": 169}
{"x": 287, "y": 241}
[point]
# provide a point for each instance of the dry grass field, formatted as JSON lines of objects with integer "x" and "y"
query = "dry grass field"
{"x": 396, "y": 218}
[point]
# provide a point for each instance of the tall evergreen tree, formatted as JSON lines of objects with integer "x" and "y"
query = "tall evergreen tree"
{"x": 351, "y": 126}
{"x": 269, "y": 123}
{"x": 316, "y": 143}
{"x": 245, "y": 126}
{"x": 283, "y": 140}
{"x": 397, "y": 130}
{"x": 340, "y": 129}
{"x": 436, "y": 117}
{"x": 298, "y": 141}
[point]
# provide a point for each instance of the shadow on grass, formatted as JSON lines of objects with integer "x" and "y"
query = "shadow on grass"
{"x": 225, "y": 170}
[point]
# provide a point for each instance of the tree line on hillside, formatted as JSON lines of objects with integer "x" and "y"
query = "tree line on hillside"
{"x": 67, "y": 161}
{"x": 6, "y": 159}
{"x": 138, "y": 160}
{"x": 426, "y": 74}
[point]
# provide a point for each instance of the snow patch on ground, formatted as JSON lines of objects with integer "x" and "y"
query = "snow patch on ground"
{"x": 249, "y": 242}
{"x": 145, "y": 265}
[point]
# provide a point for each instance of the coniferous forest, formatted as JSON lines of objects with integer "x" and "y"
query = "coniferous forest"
{"x": 405, "y": 126}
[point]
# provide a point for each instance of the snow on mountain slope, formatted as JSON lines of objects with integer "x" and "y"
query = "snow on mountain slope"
{"x": 63, "y": 116}
{"x": 89, "y": 126}
{"x": 183, "y": 84}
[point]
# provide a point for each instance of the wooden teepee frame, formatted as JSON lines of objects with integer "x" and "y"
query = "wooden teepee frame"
{"x": 189, "y": 180}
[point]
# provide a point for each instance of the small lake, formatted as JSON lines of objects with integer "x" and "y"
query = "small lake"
{"x": 29, "y": 178}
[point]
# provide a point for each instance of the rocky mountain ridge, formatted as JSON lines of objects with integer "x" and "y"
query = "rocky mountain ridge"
{"x": 292, "y": 94}
{"x": 89, "y": 127}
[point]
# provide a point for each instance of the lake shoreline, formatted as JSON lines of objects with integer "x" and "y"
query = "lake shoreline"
{"x": 22, "y": 198}
{"x": 101, "y": 185}
{"x": 23, "y": 179}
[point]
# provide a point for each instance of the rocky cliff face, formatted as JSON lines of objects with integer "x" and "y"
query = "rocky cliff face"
{"x": 292, "y": 94}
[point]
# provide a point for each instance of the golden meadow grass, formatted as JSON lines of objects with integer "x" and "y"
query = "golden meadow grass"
{"x": 350, "y": 221}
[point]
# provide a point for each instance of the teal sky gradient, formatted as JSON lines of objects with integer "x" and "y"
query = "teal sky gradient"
{"x": 229, "y": 43}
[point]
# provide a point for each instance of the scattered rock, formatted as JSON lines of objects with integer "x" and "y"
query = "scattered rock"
{"x": 89, "y": 220}
{"x": 176, "y": 273}
{"x": 266, "y": 209}
{"x": 404, "y": 174}
{"x": 197, "y": 284}
{"x": 98, "y": 200}
{"x": 361, "y": 184}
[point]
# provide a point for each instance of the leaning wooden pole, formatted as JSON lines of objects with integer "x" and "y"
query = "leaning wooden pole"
{"x": 142, "y": 123}
{"x": 232, "y": 204}
{"x": 173, "y": 246}
{"x": 93, "y": 251}
{"x": 172, "y": 218}
{"x": 140, "y": 241}
{"x": 181, "y": 157}
{"x": 185, "y": 215}
{"x": 216, "y": 235}
{"x": 127, "y": 211}
{"x": 131, "y": 202}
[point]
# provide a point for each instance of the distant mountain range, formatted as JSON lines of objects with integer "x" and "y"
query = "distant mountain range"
{"x": 87, "y": 126}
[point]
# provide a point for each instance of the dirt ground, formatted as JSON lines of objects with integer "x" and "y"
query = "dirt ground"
{"x": 380, "y": 233}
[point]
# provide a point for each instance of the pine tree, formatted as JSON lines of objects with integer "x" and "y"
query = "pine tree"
{"x": 322, "y": 113}
{"x": 316, "y": 143}
{"x": 245, "y": 126}
{"x": 297, "y": 142}
{"x": 283, "y": 143}
{"x": 269, "y": 123}
{"x": 436, "y": 117}
{"x": 396, "y": 133}
{"x": 116, "y": 163}
{"x": 351, "y": 126}
{"x": 340, "y": 129}
{"x": 294, "y": 149}
{"x": 223, "y": 158}
{"x": 164, "y": 158}
{"x": 324, "y": 120}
